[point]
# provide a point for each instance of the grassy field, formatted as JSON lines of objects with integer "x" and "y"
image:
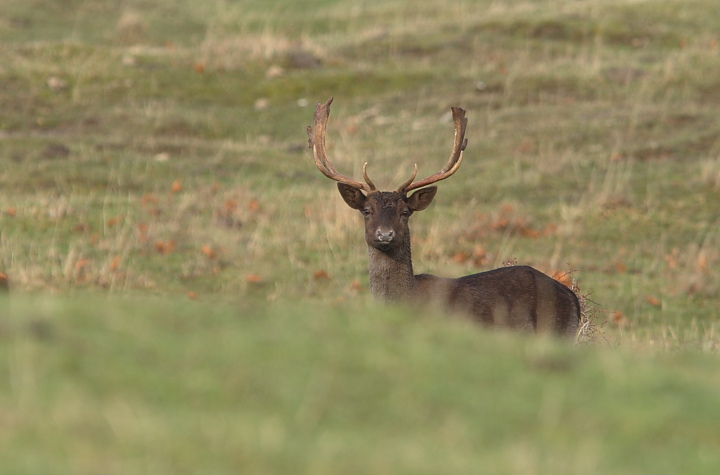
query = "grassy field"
{"x": 188, "y": 294}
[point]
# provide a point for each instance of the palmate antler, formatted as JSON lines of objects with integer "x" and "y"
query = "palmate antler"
{"x": 316, "y": 141}
{"x": 455, "y": 157}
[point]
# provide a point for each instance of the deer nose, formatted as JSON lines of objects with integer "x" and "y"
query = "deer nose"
{"x": 383, "y": 234}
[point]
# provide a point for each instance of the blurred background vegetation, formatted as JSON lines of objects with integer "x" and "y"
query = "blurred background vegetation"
{"x": 189, "y": 294}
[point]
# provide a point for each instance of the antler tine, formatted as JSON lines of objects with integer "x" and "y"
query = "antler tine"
{"x": 316, "y": 140}
{"x": 455, "y": 157}
{"x": 404, "y": 186}
{"x": 367, "y": 178}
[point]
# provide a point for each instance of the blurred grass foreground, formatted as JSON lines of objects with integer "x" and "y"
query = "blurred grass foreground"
{"x": 187, "y": 293}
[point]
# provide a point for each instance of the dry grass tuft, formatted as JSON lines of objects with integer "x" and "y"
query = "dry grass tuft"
{"x": 589, "y": 332}
{"x": 131, "y": 29}
{"x": 234, "y": 52}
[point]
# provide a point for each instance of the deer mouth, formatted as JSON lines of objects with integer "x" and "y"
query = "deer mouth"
{"x": 384, "y": 245}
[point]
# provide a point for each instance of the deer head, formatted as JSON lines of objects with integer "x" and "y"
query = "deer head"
{"x": 386, "y": 213}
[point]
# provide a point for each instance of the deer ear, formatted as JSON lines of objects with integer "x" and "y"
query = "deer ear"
{"x": 352, "y": 196}
{"x": 422, "y": 198}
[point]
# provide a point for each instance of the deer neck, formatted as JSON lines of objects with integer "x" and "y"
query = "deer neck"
{"x": 391, "y": 273}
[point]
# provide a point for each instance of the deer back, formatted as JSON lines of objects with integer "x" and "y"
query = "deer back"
{"x": 516, "y": 297}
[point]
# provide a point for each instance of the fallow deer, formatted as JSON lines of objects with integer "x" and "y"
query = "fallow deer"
{"x": 516, "y": 297}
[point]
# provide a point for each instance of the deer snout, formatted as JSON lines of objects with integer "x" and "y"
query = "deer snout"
{"x": 384, "y": 234}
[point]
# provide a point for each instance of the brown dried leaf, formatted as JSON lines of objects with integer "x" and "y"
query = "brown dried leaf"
{"x": 527, "y": 146}
{"x": 500, "y": 224}
{"x": 115, "y": 263}
{"x": 461, "y": 257}
{"x": 149, "y": 199}
{"x": 230, "y": 205}
{"x": 563, "y": 277}
{"x": 143, "y": 230}
{"x": 165, "y": 247}
{"x": 527, "y": 231}
{"x": 321, "y": 275}
{"x": 81, "y": 264}
{"x": 81, "y": 228}
{"x": 619, "y": 318}
{"x": 480, "y": 257}
{"x": 620, "y": 267}
{"x": 550, "y": 229}
{"x": 702, "y": 262}
{"x": 673, "y": 258}
{"x": 208, "y": 251}
{"x": 653, "y": 301}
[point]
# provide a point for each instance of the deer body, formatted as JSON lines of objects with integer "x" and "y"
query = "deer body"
{"x": 517, "y": 297}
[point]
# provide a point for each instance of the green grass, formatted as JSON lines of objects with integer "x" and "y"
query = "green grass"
{"x": 155, "y": 181}
{"x": 310, "y": 389}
